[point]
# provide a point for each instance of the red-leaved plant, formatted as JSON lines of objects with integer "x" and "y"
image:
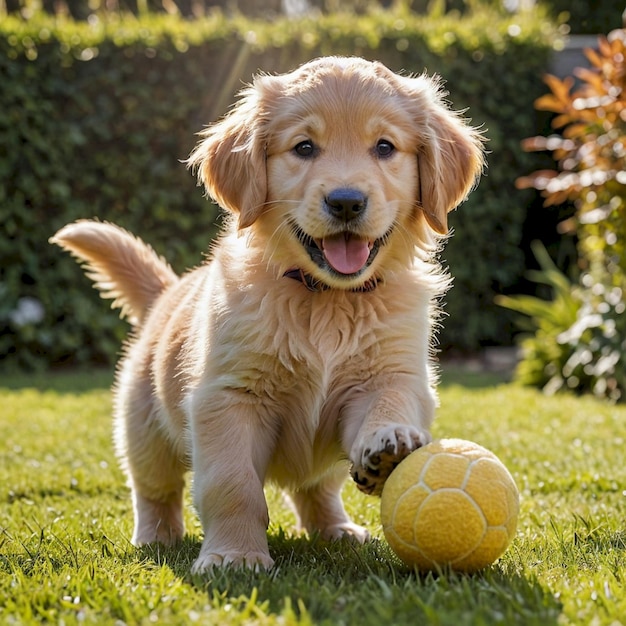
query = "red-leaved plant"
{"x": 586, "y": 354}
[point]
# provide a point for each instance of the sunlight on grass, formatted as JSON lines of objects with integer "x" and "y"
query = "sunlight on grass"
{"x": 66, "y": 519}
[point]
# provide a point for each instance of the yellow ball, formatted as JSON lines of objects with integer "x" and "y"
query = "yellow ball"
{"x": 451, "y": 503}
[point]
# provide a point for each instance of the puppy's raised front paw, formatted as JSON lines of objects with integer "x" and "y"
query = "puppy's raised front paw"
{"x": 375, "y": 458}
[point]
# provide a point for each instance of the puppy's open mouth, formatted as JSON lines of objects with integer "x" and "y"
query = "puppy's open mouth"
{"x": 343, "y": 254}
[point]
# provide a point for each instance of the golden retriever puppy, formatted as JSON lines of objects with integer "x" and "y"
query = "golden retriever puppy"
{"x": 302, "y": 349}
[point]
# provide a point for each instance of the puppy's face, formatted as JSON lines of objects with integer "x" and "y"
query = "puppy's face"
{"x": 339, "y": 166}
{"x": 342, "y": 180}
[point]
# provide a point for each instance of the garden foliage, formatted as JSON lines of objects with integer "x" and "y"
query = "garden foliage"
{"x": 587, "y": 349}
{"x": 97, "y": 116}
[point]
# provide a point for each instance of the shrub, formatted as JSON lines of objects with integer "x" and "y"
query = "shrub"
{"x": 576, "y": 338}
{"x": 591, "y": 159}
{"x": 97, "y": 116}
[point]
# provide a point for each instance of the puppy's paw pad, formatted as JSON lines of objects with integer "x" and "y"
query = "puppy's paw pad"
{"x": 382, "y": 452}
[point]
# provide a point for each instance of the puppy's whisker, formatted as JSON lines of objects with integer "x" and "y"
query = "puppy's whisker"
{"x": 280, "y": 231}
{"x": 272, "y": 205}
{"x": 275, "y": 239}
{"x": 425, "y": 248}
{"x": 401, "y": 228}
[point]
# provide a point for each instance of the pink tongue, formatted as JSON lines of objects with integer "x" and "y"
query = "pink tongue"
{"x": 345, "y": 253}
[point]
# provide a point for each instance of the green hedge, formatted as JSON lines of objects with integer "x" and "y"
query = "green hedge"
{"x": 96, "y": 118}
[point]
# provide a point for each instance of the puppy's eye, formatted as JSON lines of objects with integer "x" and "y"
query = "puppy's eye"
{"x": 384, "y": 149}
{"x": 305, "y": 149}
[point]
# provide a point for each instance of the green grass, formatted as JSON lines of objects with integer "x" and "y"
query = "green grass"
{"x": 66, "y": 519}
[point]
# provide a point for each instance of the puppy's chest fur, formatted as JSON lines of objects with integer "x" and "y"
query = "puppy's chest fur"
{"x": 301, "y": 344}
{"x": 328, "y": 329}
{"x": 309, "y": 355}
{"x": 301, "y": 357}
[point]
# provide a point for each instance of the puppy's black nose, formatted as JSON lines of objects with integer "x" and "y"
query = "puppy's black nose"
{"x": 345, "y": 204}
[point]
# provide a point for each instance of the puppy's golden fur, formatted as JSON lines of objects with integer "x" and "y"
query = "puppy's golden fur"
{"x": 302, "y": 348}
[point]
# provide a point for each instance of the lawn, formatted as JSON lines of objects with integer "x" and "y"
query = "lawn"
{"x": 65, "y": 523}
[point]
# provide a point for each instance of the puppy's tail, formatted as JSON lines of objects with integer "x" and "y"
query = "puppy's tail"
{"x": 122, "y": 267}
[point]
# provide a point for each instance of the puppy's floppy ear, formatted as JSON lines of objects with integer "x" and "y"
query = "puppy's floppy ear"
{"x": 450, "y": 158}
{"x": 230, "y": 159}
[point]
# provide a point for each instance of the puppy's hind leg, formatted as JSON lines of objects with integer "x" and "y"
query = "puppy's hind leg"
{"x": 320, "y": 509}
{"x": 155, "y": 472}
